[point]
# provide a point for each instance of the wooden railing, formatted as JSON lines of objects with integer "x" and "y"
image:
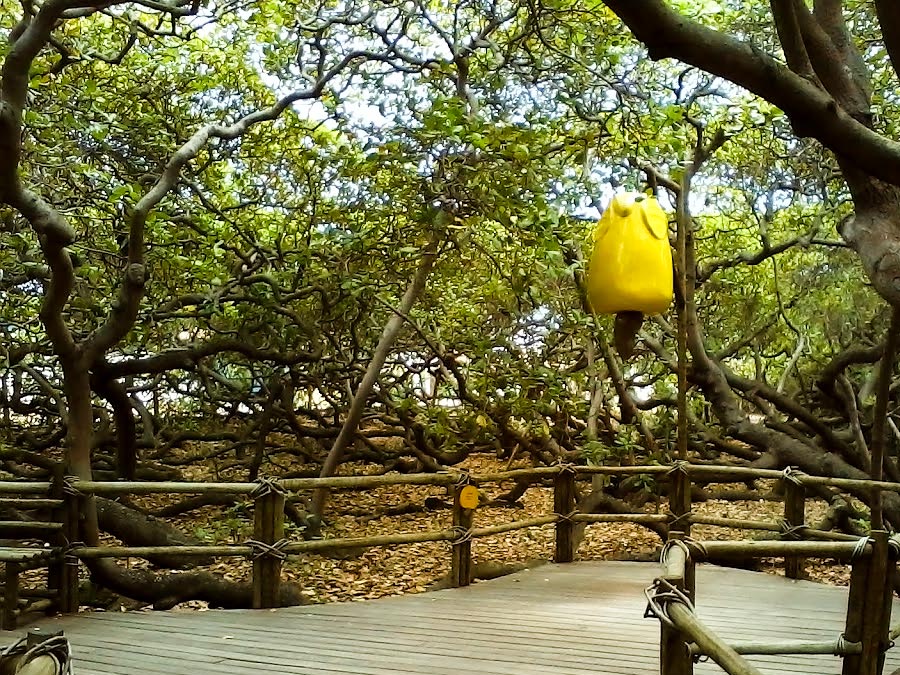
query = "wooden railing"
{"x": 867, "y": 634}
{"x": 683, "y": 636}
{"x": 862, "y": 644}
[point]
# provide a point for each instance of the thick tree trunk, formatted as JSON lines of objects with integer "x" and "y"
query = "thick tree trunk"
{"x": 126, "y": 430}
{"x": 873, "y": 231}
{"x": 80, "y": 440}
{"x": 165, "y": 591}
{"x": 137, "y": 529}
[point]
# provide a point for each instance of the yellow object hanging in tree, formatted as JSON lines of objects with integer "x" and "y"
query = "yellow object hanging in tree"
{"x": 630, "y": 271}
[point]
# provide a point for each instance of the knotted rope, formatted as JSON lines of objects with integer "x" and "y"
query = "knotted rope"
{"x": 793, "y": 475}
{"x": 462, "y": 535}
{"x": 659, "y": 595}
{"x": 264, "y": 550}
{"x": 267, "y": 486}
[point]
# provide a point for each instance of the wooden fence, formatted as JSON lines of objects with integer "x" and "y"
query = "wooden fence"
{"x": 683, "y": 637}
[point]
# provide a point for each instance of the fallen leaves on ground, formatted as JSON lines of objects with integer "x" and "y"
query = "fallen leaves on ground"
{"x": 396, "y": 570}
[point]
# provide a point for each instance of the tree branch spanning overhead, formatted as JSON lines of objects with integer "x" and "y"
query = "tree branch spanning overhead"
{"x": 788, "y": 28}
{"x": 834, "y": 108}
{"x": 202, "y": 223}
{"x": 813, "y": 111}
{"x": 889, "y": 19}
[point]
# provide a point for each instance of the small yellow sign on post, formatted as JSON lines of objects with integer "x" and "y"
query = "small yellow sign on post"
{"x": 468, "y": 497}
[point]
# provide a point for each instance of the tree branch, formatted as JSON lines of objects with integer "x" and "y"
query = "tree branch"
{"x": 880, "y": 414}
{"x": 188, "y": 358}
{"x": 889, "y": 17}
{"x": 812, "y": 111}
{"x": 13, "y": 88}
{"x": 382, "y": 349}
{"x": 859, "y": 439}
{"x": 791, "y": 40}
{"x": 830, "y": 15}
{"x": 828, "y": 60}
{"x": 850, "y": 356}
{"x": 747, "y": 258}
{"x": 125, "y": 309}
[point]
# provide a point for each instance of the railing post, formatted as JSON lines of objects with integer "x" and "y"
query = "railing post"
{"x": 10, "y": 596}
{"x": 66, "y": 575}
{"x": 268, "y": 535}
{"x": 674, "y": 655}
{"x": 564, "y": 507}
{"x": 794, "y": 517}
{"x": 868, "y": 608}
{"x": 892, "y": 552}
{"x": 878, "y": 604}
{"x": 465, "y": 500}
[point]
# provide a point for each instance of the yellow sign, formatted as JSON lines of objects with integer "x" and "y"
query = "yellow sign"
{"x": 468, "y": 497}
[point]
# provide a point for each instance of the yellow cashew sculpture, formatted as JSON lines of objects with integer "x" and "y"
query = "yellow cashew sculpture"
{"x": 630, "y": 270}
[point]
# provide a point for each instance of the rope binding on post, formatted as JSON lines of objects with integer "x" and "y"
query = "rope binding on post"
{"x": 567, "y": 517}
{"x": 793, "y": 475}
{"x": 659, "y": 595}
{"x": 69, "y": 486}
{"x": 860, "y": 549}
{"x": 267, "y": 486}
{"x": 675, "y": 521}
{"x": 461, "y": 534}
{"x": 675, "y": 543}
{"x": 264, "y": 550}
{"x": 679, "y": 466}
{"x": 789, "y": 531}
{"x": 463, "y": 478}
{"x": 566, "y": 468}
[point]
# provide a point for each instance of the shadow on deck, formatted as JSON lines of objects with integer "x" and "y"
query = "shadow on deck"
{"x": 576, "y": 619}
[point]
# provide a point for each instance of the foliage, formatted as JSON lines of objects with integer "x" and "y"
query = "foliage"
{"x": 277, "y": 250}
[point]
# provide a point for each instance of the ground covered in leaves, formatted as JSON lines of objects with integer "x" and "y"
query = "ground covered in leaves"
{"x": 379, "y": 572}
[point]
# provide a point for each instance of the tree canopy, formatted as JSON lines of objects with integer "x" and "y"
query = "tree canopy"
{"x": 359, "y": 231}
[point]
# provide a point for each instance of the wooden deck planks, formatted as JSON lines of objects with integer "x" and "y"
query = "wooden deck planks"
{"x": 575, "y": 619}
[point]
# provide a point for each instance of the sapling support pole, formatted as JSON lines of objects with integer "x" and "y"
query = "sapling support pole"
{"x": 680, "y": 485}
{"x": 674, "y": 655}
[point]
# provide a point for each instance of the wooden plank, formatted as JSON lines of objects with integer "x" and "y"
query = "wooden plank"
{"x": 347, "y": 651}
{"x": 251, "y": 652}
{"x": 175, "y": 648}
{"x": 361, "y": 636}
{"x": 575, "y": 619}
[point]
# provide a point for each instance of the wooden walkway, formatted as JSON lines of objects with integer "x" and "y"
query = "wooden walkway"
{"x": 577, "y": 619}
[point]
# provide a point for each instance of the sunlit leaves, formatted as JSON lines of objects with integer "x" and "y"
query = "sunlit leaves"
{"x": 503, "y": 126}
